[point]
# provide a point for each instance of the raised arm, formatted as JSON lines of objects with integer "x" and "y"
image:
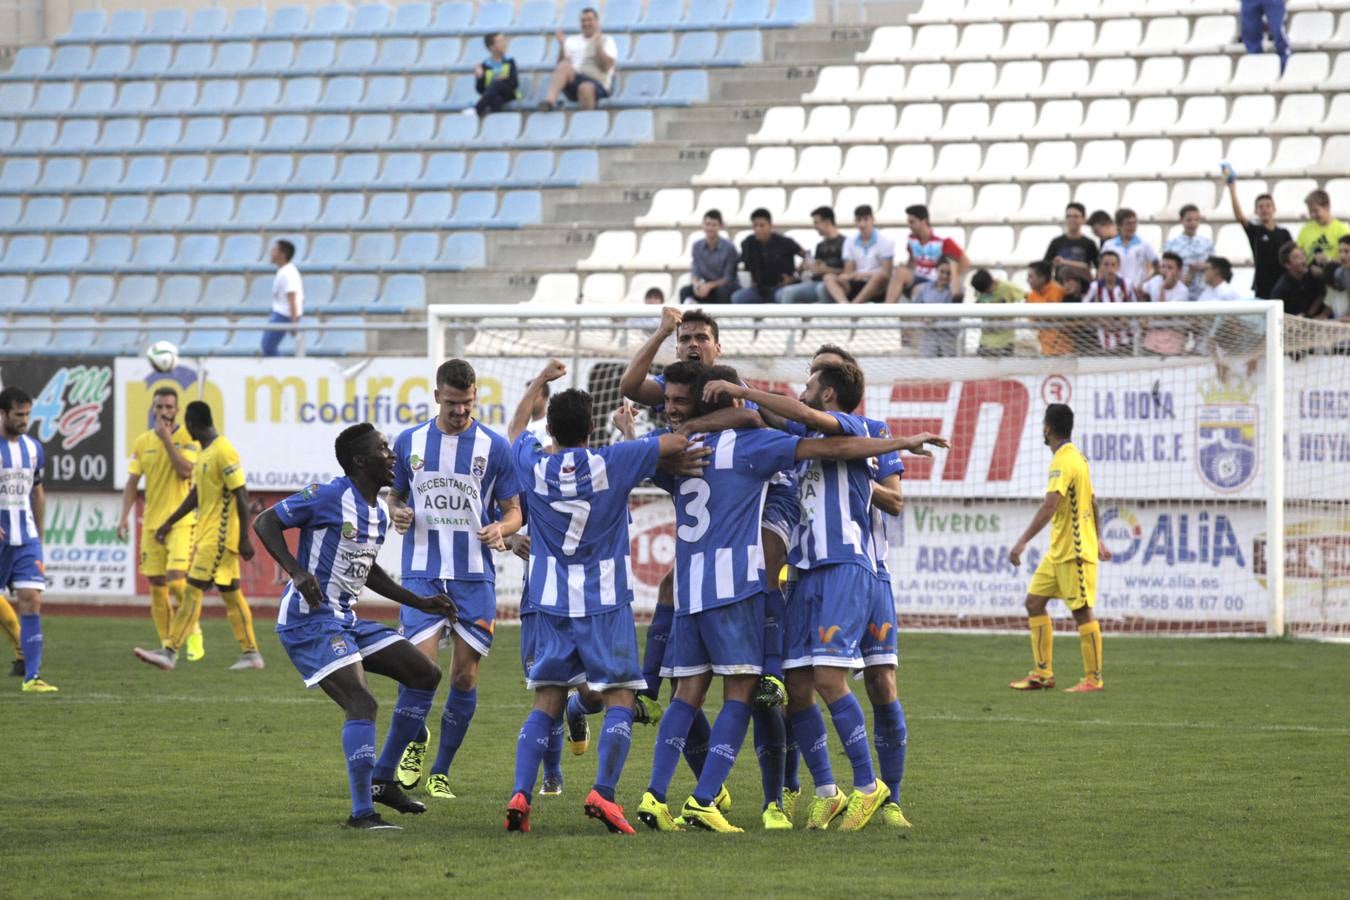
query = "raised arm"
{"x": 1044, "y": 514}
{"x": 552, "y": 371}
{"x": 635, "y": 385}
{"x": 728, "y": 418}
{"x": 787, "y": 407}
{"x": 844, "y": 448}
{"x": 1236, "y": 204}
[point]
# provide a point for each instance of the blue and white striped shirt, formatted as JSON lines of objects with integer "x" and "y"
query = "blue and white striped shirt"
{"x": 883, "y": 523}
{"x": 835, "y": 497}
{"x": 21, "y": 463}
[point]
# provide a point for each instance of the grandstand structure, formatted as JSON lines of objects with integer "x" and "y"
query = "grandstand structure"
{"x": 147, "y": 158}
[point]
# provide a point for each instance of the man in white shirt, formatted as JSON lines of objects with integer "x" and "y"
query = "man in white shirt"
{"x": 1138, "y": 259}
{"x": 868, "y": 257}
{"x": 1232, "y": 340}
{"x": 1166, "y": 287}
{"x": 1218, "y": 275}
{"x": 288, "y": 296}
{"x": 585, "y": 70}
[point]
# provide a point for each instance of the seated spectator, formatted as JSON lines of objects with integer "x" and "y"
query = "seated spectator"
{"x": 827, "y": 260}
{"x": 868, "y": 257}
{"x": 1138, "y": 259}
{"x": 1301, "y": 291}
{"x": 1165, "y": 287}
{"x": 1053, "y": 341}
{"x": 654, "y": 296}
{"x": 1337, "y": 278}
{"x": 1110, "y": 287}
{"x": 1102, "y": 225}
{"x": 1075, "y": 285}
{"x": 713, "y": 268}
{"x": 926, "y": 249}
{"x": 995, "y": 341}
{"x": 1259, "y": 16}
{"x": 496, "y": 78}
{"x": 1193, "y": 248}
{"x": 1073, "y": 248}
{"x": 1265, "y": 237}
{"x": 769, "y": 257}
{"x": 939, "y": 337}
{"x": 585, "y": 69}
{"x": 1321, "y": 233}
{"x": 1218, "y": 277}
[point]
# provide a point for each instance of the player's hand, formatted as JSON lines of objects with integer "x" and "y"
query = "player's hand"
{"x": 715, "y": 390}
{"x": 553, "y": 370}
{"x": 246, "y": 551}
{"x": 560, "y": 38}
{"x": 402, "y": 518}
{"x": 919, "y": 443}
{"x": 692, "y": 462}
{"x": 164, "y": 429}
{"x": 161, "y": 534}
{"x": 308, "y": 586}
{"x": 123, "y": 531}
{"x": 492, "y": 536}
{"x": 478, "y": 71}
{"x": 671, "y": 317}
{"x": 1104, "y": 553}
{"x": 623, "y": 419}
{"x": 1015, "y": 554}
{"x": 520, "y": 545}
{"x": 437, "y": 605}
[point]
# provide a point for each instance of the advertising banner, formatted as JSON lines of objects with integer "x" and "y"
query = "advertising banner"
{"x": 80, "y": 547}
{"x": 72, "y": 416}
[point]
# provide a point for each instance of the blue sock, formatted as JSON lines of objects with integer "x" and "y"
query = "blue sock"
{"x": 358, "y": 745}
{"x": 847, "y": 715}
{"x": 671, "y": 739}
{"x": 791, "y": 761}
{"x": 30, "y": 637}
{"x": 459, "y": 707}
{"x": 770, "y": 744}
{"x": 577, "y": 708}
{"x": 658, "y": 636}
{"x": 889, "y": 722}
{"x": 553, "y": 755}
{"x": 808, "y": 726}
{"x": 775, "y": 610}
{"x": 728, "y": 733}
{"x": 696, "y": 743}
{"x": 616, "y": 737}
{"x": 407, "y": 724}
{"x": 530, "y": 749}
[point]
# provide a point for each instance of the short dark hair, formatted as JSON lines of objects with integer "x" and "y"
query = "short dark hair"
{"x": 590, "y": 9}
{"x": 287, "y": 249}
{"x": 1345, "y": 239}
{"x": 1060, "y": 419}
{"x": 654, "y": 292}
{"x": 1318, "y": 197}
{"x": 490, "y": 39}
{"x": 918, "y": 211}
{"x": 1071, "y": 273}
{"x": 846, "y": 380}
{"x": 714, "y": 214}
{"x": 1082, "y": 210}
{"x": 681, "y": 372}
{"x": 761, "y": 213}
{"x": 1099, "y": 217}
{"x": 714, "y": 373}
{"x": 569, "y": 417}
{"x": 1287, "y": 251}
{"x": 198, "y": 414}
{"x": 1041, "y": 268}
{"x": 1260, "y": 197}
{"x": 11, "y": 397}
{"x": 699, "y": 317}
{"x": 1224, "y": 267}
{"x": 1125, "y": 213}
{"x": 823, "y": 212}
{"x": 166, "y": 390}
{"x": 456, "y": 373}
{"x": 837, "y": 351}
{"x": 1174, "y": 257}
{"x": 982, "y": 281}
{"x": 1111, "y": 253}
{"x": 1188, "y": 208}
{"x": 863, "y": 211}
{"x": 345, "y": 445}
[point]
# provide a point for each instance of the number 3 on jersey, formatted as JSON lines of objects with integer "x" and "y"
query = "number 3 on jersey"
{"x": 578, "y": 513}
{"x": 696, "y": 507}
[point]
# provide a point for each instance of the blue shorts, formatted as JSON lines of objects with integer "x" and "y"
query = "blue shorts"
{"x": 529, "y": 637}
{"x": 21, "y": 567}
{"x": 475, "y": 600}
{"x": 599, "y": 651}
{"x": 570, "y": 92}
{"x": 729, "y": 640}
{"x": 879, "y": 641}
{"x": 782, "y": 512}
{"x": 322, "y": 645}
{"x": 827, "y": 616}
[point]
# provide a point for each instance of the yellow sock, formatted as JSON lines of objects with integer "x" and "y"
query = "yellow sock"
{"x": 189, "y": 611}
{"x": 176, "y": 589}
{"x": 9, "y": 624}
{"x": 160, "y": 611}
{"x": 1043, "y": 645}
{"x": 241, "y": 619}
{"x": 1090, "y": 637}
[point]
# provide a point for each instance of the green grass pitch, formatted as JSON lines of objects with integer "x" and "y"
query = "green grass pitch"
{"x": 1208, "y": 766}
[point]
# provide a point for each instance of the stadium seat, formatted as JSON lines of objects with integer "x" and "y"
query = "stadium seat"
{"x": 488, "y": 168}
{"x": 83, "y": 212}
{"x": 402, "y": 294}
{"x": 73, "y": 339}
{"x": 227, "y": 292}
{"x": 35, "y": 135}
{"x": 430, "y": 208}
{"x": 208, "y": 336}
{"x": 61, "y": 173}
{"x": 186, "y": 171}
{"x": 127, "y": 212}
{"x": 240, "y": 250}
{"x": 154, "y": 251}
{"x": 531, "y": 167}
{"x": 353, "y": 294}
{"x": 520, "y": 208}
{"x": 162, "y": 133}
{"x": 697, "y": 48}
{"x": 340, "y": 343}
{"x": 272, "y": 169}
{"x": 298, "y": 210}
{"x": 169, "y": 209}
{"x": 329, "y": 131}
{"x": 373, "y": 250}
{"x": 453, "y": 16}
{"x": 387, "y": 209}
{"x": 48, "y": 294}
{"x": 371, "y": 130}
{"x": 54, "y": 96}
{"x": 474, "y": 209}
{"x": 343, "y": 209}
{"x": 464, "y": 251}
{"x": 444, "y": 168}
{"x": 400, "y": 168}
{"x": 493, "y": 17}
{"x": 70, "y": 60}
{"x": 544, "y": 129}
{"x": 427, "y": 90}
{"x": 91, "y": 293}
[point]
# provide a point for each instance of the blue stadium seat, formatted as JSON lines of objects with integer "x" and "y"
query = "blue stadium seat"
{"x": 489, "y": 168}
{"x": 371, "y": 130}
{"x": 356, "y": 54}
{"x": 570, "y": 14}
{"x": 632, "y": 126}
{"x": 299, "y": 209}
{"x": 705, "y": 13}
{"x": 111, "y": 59}
{"x": 244, "y": 132}
{"x": 24, "y": 252}
{"x": 286, "y": 131}
{"x": 186, "y": 171}
{"x": 54, "y": 96}
{"x": 72, "y": 60}
{"x": 259, "y": 294}
{"x": 533, "y": 167}
{"x": 19, "y": 172}
{"x": 77, "y": 134}
{"x": 274, "y": 56}
{"x": 90, "y": 293}
{"x": 67, "y": 251}
{"x": 87, "y": 24}
{"x": 748, "y": 13}
{"x": 533, "y": 17}
{"x": 241, "y": 250}
{"x": 71, "y": 340}
{"x": 741, "y": 47}
{"x": 167, "y": 23}
{"x": 587, "y": 127}
{"x": 402, "y": 294}
{"x": 85, "y": 212}
{"x": 260, "y": 93}
{"x": 232, "y": 58}
{"x": 10, "y": 210}
{"x": 134, "y": 292}
{"x": 442, "y": 168}
{"x": 42, "y": 212}
{"x": 794, "y": 12}
{"x": 175, "y": 96}
{"x": 136, "y": 97}
{"x": 154, "y": 250}
{"x": 697, "y": 48}
{"x": 401, "y": 168}
{"x": 223, "y": 292}
{"x": 462, "y": 93}
{"x": 440, "y": 52}
{"x": 358, "y": 169}
{"x": 228, "y": 170}
{"x": 209, "y": 21}
{"x": 129, "y": 211}
{"x": 641, "y": 88}
{"x": 493, "y": 17}
{"x": 652, "y": 50}
{"x": 248, "y": 20}
{"x": 384, "y": 91}
{"x": 453, "y": 16}
{"x": 543, "y": 129}
{"x": 458, "y": 130}
{"x": 418, "y": 248}
{"x": 662, "y": 16}
{"x": 412, "y": 17}
{"x": 162, "y": 133}
{"x": 430, "y": 208}
{"x": 61, "y": 173}
{"x": 576, "y": 167}
{"x": 30, "y": 61}
{"x": 126, "y": 23}
{"x": 191, "y": 58}
{"x": 35, "y": 135}
{"x": 316, "y": 55}
{"x": 343, "y": 209}
{"x": 340, "y": 343}
{"x": 500, "y": 129}
{"x": 427, "y": 90}
{"x": 218, "y": 94}
{"x": 414, "y": 128}
{"x": 13, "y": 292}
{"x": 254, "y": 209}
{"x": 95, "y": 96}
{"x": 48, "y": 294}
{"x": 330, "y": 130}
{"x": 272, "y": 169}
{"x": 520, "y": 208}
{"x": 330, "y": 19}
{"x": 373, "y": 250}
{"x": 179, "y": 294}
{"x": 119, "y": 134}
{"x": 397, "y": 54}
{"x": 318, "y": 293}
{"x": 212, "y": 209}
{"x": 208, "y": 336}
{"x": 102, "y": 171}
{"x": 288, "y": 20}
{"x": 329, "y": 250}
{"x": 372, "y": 17}
{"x": 387, "y": 208}
{"x": 244, "y": 342}
{"x": 169, "y": 209}
{"x": 15, "y": 97}
{"x": 474, "y": 209}
{"x": 197, "y": 251}
{"x": 464, "y": 251}
{"x": 343, "y": 92}
{"x": 301, "y": 93}
{"x": 687, "y": 86}
{"x": 151, "y": 60}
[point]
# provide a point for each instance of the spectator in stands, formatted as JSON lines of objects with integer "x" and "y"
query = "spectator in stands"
{"x": 1218, "y": 278}
{"x": 1102, "y": 225}
{"x": 988, "y": 289}
{"x": 712, "y": 271}
{"x": 939, "y": 338}
{"x": 1265, "y": 237}
{"x": 770, "y": 258}
{"x": 654, "y": 296}
{"x": 1166, "y": 287}
{"x": 288, "y": 296}
{"x": 496, "y": 78}
{"x": 1301, "y": 291}
{"x": 1322, "y": 231}
{"x": 1253, "y": 26}
{"x": 1075, "y": 285}
{"x": 827, "y": 260}
{"x": 1193, "y": 248}
{"x": 1337, "y": 278}
{"x": 585, "y": 69}
{"x": 1110, "y": 287}
{"x": 1073, "y": 248}
{"x": 1138, "y": 259}
{"x": 925, "y": 250}
{"x": 868, "y": 258}
{"x": 1053, "y": 341}
{"x": 1231, "y": 338}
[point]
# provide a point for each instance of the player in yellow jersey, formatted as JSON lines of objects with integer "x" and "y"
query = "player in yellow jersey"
{"x": 165, "y": 455}
{"x": 9, "y": 624}
{"x": 1069, "y": 570}
{"x": 220, "y": 539}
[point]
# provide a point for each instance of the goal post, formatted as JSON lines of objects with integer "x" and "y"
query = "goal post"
{"x": 1213, "y": 431}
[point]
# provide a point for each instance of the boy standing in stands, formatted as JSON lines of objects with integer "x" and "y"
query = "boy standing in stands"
{"x": 496, "y": 78}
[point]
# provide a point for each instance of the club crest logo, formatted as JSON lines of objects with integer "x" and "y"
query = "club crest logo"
{"x": 339, "y": 645}
{"x": 348, "y": 530}
{"x": 479, "y": 466}
{"x": 415, "y": 462}
{"x": 309, "y": 492}
{"x": 1226, "y": 434}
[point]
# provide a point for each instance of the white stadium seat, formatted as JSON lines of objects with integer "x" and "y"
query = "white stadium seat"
{"x": 873, "y": 122}
{"x": 802, "y": 201}
{"x": 670, "y": 206}
{"x": 771, "y": 166}
{"x": 1043, "y": 201}
{"x": 863, "y": 162}
{"x": 889, "y": 42}
{"x": 834, "y": 84}
{"x": 1148, "y": 158}
{"x": 728, "y": 200}
{"x": 780, "y": 125}
{"x": 658, "y": 250}
{"x": 774, "y": 199}
{"x": 1006, "y": 160}
{"x": 824, "y": 125}
{"x": 969, "y": 121}
{"x": 910, "y": 163}
{"x": 1146, "y": 198}
{"x": 1246, "y": 109}
{"x": 605, "y": 287}
{"x": 996, "y": 203}
{"x": 638, "y": 285}
{"x": 1289, "y": 193}
{"x": 612, "y": 250}
{"x": 816, "y": 165}
{"x": 881, "y": 83}
{"x": 725, "y": 165}
{"x": 1032, "y": 241}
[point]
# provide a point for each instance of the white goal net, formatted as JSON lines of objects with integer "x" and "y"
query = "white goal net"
{"x": 1218, "y": 437}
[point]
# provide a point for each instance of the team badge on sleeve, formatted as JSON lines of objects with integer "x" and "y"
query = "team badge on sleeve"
{"x": 339, "y": 645}
{"x": 479, "y": 466}
{"x": 415, "y": 462}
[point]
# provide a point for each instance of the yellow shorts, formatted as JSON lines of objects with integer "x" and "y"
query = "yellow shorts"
{"x": 1073, "y": 582}
{"x": 214, "y": 563}
{"x": 170, "y": 556}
